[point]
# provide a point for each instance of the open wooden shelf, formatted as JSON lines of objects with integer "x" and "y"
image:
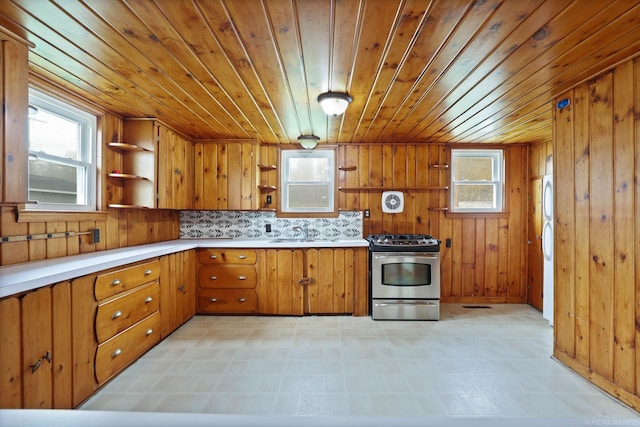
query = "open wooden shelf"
{"x": 121, "y": 206}
{"x": 347, "y": 168}
{"x": 127, "y": 176}
{"x": 267, "y": 167}
{"x": 123, "y": 146}
{"x": 267, "y": 188}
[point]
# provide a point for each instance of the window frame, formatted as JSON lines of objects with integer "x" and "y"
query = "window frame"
{"x": 498, "y": 178}
{"x": 88, "y": 150}
{"x": 326, "y": 151}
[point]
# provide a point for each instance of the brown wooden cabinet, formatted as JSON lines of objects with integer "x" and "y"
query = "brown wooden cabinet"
{"x": 178, "y": 289}
{"x": 115, "y": 318}
{"x": 227, "y": 280}
{"x": 226, "y": 175}
{"x": 313, "y": 281}
{"x": 175, "y": 170}
{"x": 14, "y": 128}
{"x": 36, "y": 357}
{"x": 153, "y": 168}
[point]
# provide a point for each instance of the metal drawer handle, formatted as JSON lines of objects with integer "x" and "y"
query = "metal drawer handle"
{"x": 242, "y": 277}
{"x": 36, "y": 366}
{"x": 213, "y": 299}
{"x": 213, "y": 277}
{"x": 213, "y": 256}
{"x": 241, "y": 299}
{"x": 115, "y": 282}
{"x": 116, "y": 314}
{"x": 242, "y": 256}
{"x": 149, "y": 332}
{"x": 148, "y": 300}
{"x": 148, "y": 272}
{"x": 116, "y": 353}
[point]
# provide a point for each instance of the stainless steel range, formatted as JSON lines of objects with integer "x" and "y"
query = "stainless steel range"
{"x": 404, "y": 276}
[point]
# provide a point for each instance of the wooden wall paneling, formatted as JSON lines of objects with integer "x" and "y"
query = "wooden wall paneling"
{"x": 248, "y": 176}
{"x": 123, "y": 225}
{"x": 37, "y": 391}
{"x": 199, "y": 171}
{"x": 503, "y": 257}
{"x": 516, "y": 198}
{"x": 636, "y": 214}
{"x": 601, "y": 224}
{"x": 361, "y": 289}
{"x": 349, "y": 282}
{"x": 456, "y": 259}
{"x": 581, "y": 259}
{"x": 222, "y": 184}
{"x": 479, "y": 257}
{"x": 468, "y": 256}
{"x": 62, "y": 348}
{"x": 37, "y": 247}
{"x": 624, "y": 271}
{"x": 79, "y": 244}
{"x": 339, "y": 280}
{"x": 364, "y": 198}
{"x": 56, "y": 247}
{"x": 564, "y": 234}
{"x": 376, "y": 179}
{"x": 491, "y": 251}
{"x": 11, "y": 361}
{"x": 13, "y": 252}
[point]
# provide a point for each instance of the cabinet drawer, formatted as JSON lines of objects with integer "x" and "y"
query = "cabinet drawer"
{"x": 118, "y": 314}
{"x": 229, "y": 276}
{"x": 227, "y": 300}
{"x": 111, "y": 283}
{"x": 227, "y": 256}
{"x": 119, "y": 351}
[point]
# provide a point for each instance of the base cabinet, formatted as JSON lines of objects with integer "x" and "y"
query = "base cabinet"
{"x": 36, "y": 353}
{"x": 178, "y": 289}
{"x": 227, "y": 280}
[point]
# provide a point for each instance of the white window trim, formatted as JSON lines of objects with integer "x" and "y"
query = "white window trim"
{"x": 89, "y": 143}
{"x": 498, "y": 178}
{"x": 322, "y": 153}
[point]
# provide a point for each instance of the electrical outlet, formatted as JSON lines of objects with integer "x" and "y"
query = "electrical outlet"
{"x": 447, "y": 243}
{"x": 367, "y": 213}
{"x": 95, "y": 235}
{"x": 269, "y": 199}
{"x": 267, "y": 228}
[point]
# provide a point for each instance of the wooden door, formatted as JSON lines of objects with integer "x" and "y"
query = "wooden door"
{"x": 185, "y": 286}
{"x": 534, "y": 255}
{"x": 280, "y": 279}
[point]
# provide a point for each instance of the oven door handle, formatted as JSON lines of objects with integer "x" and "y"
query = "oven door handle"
{"x": 405, "y": 256}
{"x": 386, "y": 304}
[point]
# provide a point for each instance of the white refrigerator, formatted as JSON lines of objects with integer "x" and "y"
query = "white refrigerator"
{"x": 547, "y": 248}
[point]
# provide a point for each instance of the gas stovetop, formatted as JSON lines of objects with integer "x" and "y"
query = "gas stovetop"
{"x": 403, "y": 242}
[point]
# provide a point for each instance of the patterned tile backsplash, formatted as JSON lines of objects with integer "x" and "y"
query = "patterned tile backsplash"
{"x": 253, "y": 225}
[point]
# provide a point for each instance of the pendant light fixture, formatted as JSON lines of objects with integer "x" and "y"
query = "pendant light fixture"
{"x": 334, "y": 103}
{"x": 308, "y": 142}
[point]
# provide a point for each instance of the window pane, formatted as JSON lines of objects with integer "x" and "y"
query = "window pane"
{"x": 308, "y": 169}
{"x": 308, "y": 196}
{"x": 474, "y": 196}
{"x": 474, "y": 169}
{"x": 51, "y": 182}
{"x": 54, "y": 135}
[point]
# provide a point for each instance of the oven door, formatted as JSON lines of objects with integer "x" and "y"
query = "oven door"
{"x": 413, "y": 275}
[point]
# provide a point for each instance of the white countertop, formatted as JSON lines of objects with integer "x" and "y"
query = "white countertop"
{"x": 32, "y": 275}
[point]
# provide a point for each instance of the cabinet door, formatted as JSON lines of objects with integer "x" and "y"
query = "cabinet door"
{"x": 226, "y": 175}
{"x": 37, "y": 350}
{"x": 10, "y": 361}
{"x": 330, "y": 288}
{"x": 280, "y": 283}
{"x": 175, "y": 166}
{"x": 15, "y": 126}
{"x": 186, "y": 286}
{"x": 84, "y": 344}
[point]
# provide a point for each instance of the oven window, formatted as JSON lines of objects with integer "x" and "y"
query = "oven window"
{"x": 406, "y": 274}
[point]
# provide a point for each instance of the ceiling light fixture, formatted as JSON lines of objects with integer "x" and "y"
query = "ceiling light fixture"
{"x": 308, "y": 142}
{"x": 334, "y": 103}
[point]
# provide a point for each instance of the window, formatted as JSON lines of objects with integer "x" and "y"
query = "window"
{"x": 62, "y": 155}
{"x": 307, "y": 179}
{"x": 476, "y": 180}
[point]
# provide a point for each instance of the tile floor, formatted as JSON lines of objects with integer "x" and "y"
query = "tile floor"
{"x": 474, "y": 362}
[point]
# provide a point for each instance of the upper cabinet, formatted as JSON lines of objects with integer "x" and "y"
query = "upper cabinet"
{"x": 153, "y": 168}
{"x": 226, "y": 175}
{"x": 14, "y": 126}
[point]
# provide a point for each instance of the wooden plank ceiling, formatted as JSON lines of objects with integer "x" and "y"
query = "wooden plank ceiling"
{"x": 419, "y": 71}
